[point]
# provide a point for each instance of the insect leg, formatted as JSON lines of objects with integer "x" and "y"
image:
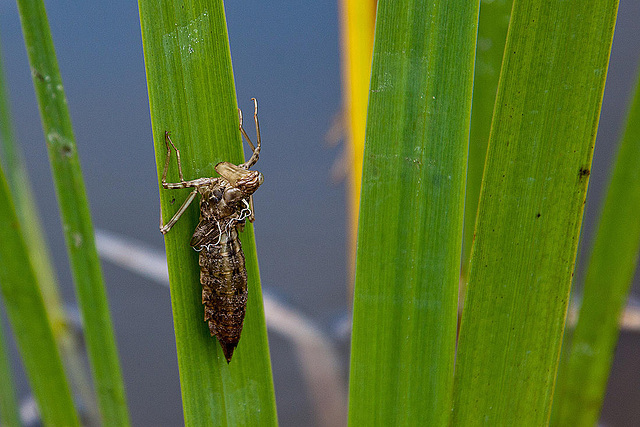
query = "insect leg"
{"x": 256, "y": 149}
{"x": 244, "y": 132}
{"x": 165, "y": 228}
{"x": 167, "y": 141}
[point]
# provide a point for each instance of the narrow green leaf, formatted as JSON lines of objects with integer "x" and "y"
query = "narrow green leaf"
{"x": 411, "y": 213}
{"x": 74, "y": 209}
{"x": 71, "y": 349}
{"x": 18, "y": 181}
{"x": 7, "y": 146}
{"x": 492, "y": 34}
{"x": 192, "y": 95}
{"x": 31, "y": 328}
{"x": 9, "y": 413}
{"x": 582, "y": 382}
{"x": 531, "y": 204}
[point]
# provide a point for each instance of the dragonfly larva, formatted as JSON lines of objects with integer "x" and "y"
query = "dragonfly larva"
{"x": 226, "y": 202}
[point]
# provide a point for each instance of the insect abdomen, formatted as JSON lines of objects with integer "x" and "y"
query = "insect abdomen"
{"x": 224, "y": 290}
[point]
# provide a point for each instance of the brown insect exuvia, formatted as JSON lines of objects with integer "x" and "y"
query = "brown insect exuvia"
{"x": 225, "y": 203}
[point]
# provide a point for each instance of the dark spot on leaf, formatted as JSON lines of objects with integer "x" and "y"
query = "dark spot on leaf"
{"x": 538, "y": 215}
{"x": 583, "y": 172}
{"x": 37, "y": 74}
{"x": 66, "y": 150}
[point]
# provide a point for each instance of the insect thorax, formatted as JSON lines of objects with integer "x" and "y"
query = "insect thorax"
{"x": 223, "y": 210}
{"x": 217, "y": 201}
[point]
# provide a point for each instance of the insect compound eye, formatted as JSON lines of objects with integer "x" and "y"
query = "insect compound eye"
{"x": 232, "y": 195}
{"x": 217, "y": 194}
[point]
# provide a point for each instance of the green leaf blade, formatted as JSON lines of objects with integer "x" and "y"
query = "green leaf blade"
{"x": 411, "y": 213}
{"x": 493, "y": 23}
{"x": 9, "y": 412}
{"x": 75, "y": 213}
{"x": 530, "y": 211}
{"x": 582, "y": 381}
{"x": 192, "y": 95}
{"x": 28, "y": 317}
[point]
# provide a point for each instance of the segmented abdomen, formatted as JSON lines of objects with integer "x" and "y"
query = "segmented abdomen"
{"x": 224, "y": 289}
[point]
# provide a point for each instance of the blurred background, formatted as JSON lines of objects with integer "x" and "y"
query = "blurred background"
{"x": 287, "y": 55}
